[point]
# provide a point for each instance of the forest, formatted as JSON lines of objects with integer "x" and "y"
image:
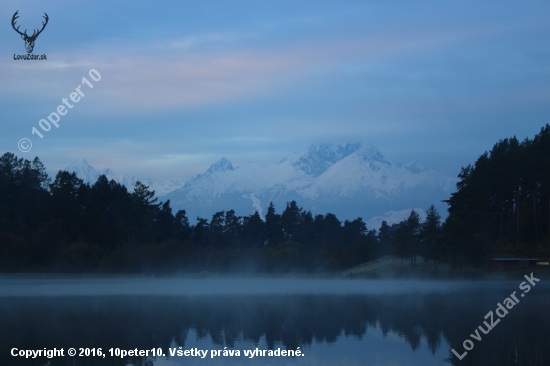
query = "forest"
{"x": 61, "y": 224}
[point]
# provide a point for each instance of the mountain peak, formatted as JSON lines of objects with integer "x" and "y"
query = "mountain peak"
{"x": 351, "y": 180}
{"x": 89, "y": 175}
{"x": 370, "y": 152}
{"x": 319, "y": 157}
{"x": 83, "y": 170}
{"x": 221, "y": 166}
{"x": 80, "y": 163}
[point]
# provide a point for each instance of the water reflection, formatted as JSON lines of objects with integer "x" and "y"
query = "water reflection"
{"x": 414, "y": 329}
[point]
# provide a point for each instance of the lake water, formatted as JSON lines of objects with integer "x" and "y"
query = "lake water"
{"x": 330, "y": 322}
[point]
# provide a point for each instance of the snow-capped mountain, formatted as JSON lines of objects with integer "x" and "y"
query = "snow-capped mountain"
{"x": 351, "y": 181}
{"x": 89, "y": 175}
{"x": 393, "y": 217}
{"x": 162, "y": 188}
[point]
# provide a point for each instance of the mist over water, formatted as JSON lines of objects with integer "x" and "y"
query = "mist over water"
{"x": 231, "y": 286}
{"x": 334, "y": 322}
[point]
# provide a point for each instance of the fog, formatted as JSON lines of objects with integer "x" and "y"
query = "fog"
{"x": 233, "y": 286}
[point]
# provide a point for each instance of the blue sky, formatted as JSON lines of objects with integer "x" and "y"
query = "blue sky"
{"x": 185, "y": 83}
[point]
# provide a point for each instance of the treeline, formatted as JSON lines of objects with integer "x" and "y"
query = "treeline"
{"x": 502, "y": 204}
{"x": 66, "y": 225}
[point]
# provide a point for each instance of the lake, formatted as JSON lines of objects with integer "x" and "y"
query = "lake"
{"x": 215, "y": 321}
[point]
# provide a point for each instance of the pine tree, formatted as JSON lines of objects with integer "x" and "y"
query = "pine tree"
{"x": 385, "y": 238}
{"x": 433, "y": 247}
{"x": 273, "y": 227}
{"x": 291, "y": 220}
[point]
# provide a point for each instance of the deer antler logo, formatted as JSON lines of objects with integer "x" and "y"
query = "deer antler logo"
{"x": 29, "y": 40}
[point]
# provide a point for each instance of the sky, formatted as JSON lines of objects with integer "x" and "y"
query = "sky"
{"x": 185, "y": 83}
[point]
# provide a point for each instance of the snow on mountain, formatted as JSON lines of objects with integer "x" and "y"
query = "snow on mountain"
{"x": 351, "y": 181}
{"x": 368, "y": 170}
{"x": 89, "y": 175}
{"x": 319, "y": 158}
{"x": 355, "y": 180}
{"x": 414, "y": 167}
{"x": 162, "y": 188}
{"x": 393, "y": 217}
{"x": 83, "y": 171}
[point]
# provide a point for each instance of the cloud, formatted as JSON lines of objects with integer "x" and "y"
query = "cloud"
{"x": 173, "y": 75}
{"x": 186, "y": 88}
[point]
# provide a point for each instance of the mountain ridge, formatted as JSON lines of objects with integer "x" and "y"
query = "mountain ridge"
{"x": 354, "y": 180}
{"x": 89, "y": 175}
{"x": 351, "y": 180}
